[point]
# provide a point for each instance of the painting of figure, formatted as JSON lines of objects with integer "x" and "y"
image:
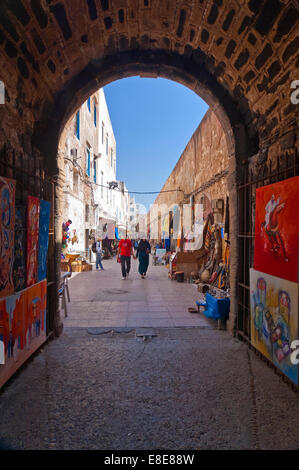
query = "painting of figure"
{"x": 32, "y": 239}
{"x": 274, "y": 319}
{"x": 7, "y": 224}
{"x": 43, "y": 240}
{"x": 276, "y": 243}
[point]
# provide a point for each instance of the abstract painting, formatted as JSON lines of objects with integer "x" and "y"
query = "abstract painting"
{"x": 34, "y": 315}
{"x": 19, "y": 269}
{"x": 22, "y": 327}
{"x": 32, "y": 239}
{"x": 276, "y": 244}
{"x": 43, "y": 239}
{"x": 7, "y": 226}
{"x": 274, "y": 319}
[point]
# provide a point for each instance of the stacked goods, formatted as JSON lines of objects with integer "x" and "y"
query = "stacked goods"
{"x": 80, "y": 266}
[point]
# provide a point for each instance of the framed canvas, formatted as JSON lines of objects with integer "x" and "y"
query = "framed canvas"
{"x": 276, "y": 242}
{"x": 274, "y": 319}
{"x": 32, "y": 239}
{"x": 19, "y": 269}
{"x": 43, "y": 239}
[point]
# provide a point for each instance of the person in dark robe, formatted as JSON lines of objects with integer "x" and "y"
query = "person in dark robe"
{"x": 142, "y": 253}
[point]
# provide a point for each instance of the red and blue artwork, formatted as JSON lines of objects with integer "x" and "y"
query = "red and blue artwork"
{"x": 32, "y": 239}
{"x": 19, "y": 269}
{"x": 7, "y": 226}
{"x": 23, "y": 325}
{"x": 43, "y": 242}
{"x": 276, "y": 243}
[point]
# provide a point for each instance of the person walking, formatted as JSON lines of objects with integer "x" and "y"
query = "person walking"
{"x": 99, "y": 254}
{"x": 124, "y": 253}
{"x": 142, "y": 254}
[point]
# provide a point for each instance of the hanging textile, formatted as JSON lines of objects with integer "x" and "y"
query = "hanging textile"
{"x": 208, "y": 236}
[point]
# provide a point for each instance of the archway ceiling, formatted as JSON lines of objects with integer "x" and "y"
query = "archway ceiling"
{"x": 249, "y": 47}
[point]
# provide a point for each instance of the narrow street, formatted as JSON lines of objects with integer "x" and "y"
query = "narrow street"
{"x": 100, "y": 386}
{"x": 103, "y": 299}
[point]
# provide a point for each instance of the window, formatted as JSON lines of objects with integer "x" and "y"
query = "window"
{"x": 86, "y": 213}
{"x": 88, "y": 104}
{"x": 111, "y": 158}
{"x": 95, "y": 170}
{"x": 78, "y": 125}
{"x": 102, "y": 133}
{"x": 88, "y": 161}
{"x": 107, "y": 144}
{"x": 75, "y": 182}
{"x": 102, "y": 185}
{"x": 95, "y": 114}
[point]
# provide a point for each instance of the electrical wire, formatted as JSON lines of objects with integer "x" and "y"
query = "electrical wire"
{"x": 86, "y": 180}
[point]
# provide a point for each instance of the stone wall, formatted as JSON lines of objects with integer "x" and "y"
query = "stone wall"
{"x": 202, "y": 168}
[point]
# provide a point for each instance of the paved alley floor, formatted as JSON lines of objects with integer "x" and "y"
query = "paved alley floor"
{"x": 188, "y": 387}
{"x": 104, "y": 299}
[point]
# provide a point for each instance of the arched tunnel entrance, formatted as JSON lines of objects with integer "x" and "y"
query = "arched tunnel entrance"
{"x": 239, "y": 59}
{"x": 240, "y": 146}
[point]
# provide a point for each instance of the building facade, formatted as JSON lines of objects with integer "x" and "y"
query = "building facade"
{"x": 91, "y": 191}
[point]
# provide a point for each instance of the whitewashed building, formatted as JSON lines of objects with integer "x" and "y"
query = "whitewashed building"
{"x": 91, "y": 191}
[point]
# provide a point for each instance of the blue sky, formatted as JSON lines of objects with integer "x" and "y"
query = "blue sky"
{"x": 153, "y": 120}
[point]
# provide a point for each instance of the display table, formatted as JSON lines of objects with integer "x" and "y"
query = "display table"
{"x": 215, "y": 308}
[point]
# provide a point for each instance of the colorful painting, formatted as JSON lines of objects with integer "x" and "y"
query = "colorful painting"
{"x": 34, "y": 315}
{"x": 43, "y": 240}
{"x": 22, "y": 327}
{"x": 19, "y": 269}
{"x": 276, "y": 247}
{"x": 32, "y": 239}
{"x": 274, "y": 319}
{"x": 7, "y": 225}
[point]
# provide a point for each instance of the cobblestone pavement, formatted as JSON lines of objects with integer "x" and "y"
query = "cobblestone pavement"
{"x": 188, "y": 387}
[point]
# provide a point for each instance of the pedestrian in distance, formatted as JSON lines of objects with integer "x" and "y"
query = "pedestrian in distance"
{"x": 142, "y": 254}
{"x": 99, "y": 254}
{"x": 124, "y": 253}
{"x": 136, "y": 243}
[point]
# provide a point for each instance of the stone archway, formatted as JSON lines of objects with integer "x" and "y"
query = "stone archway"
{"x": 238, "y": 58}
{"x": 240, "y": 146}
